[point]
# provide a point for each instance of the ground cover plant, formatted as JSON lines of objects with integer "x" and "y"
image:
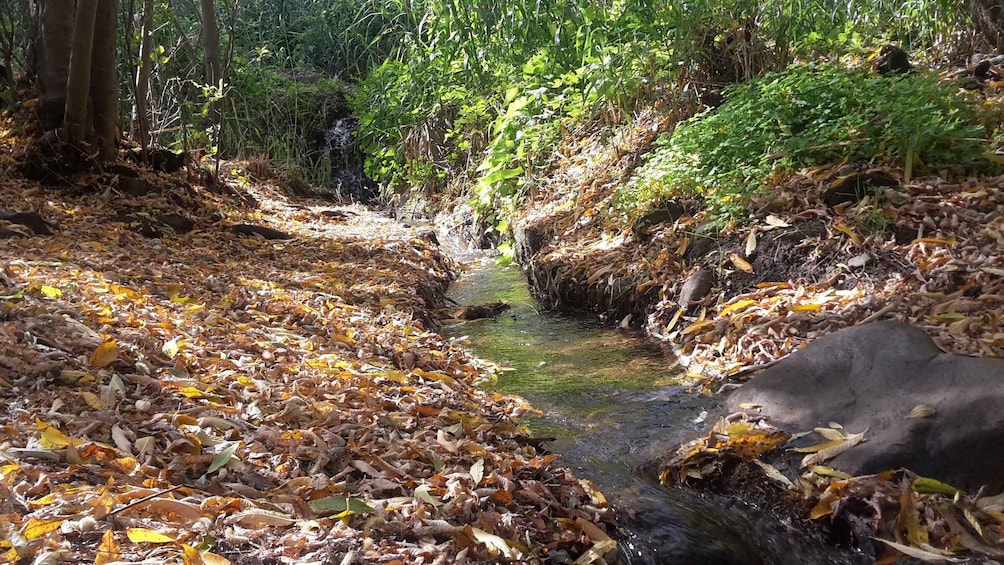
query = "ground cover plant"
{"x": 805, "y": 116}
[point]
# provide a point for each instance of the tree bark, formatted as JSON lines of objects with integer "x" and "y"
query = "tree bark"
{"x": 140, "y": 118}
{"x": 211, "y": 42}
{"x": 53, "y": 23}
{"x": 79, "y": 76}
{"x": 104, "y": 82}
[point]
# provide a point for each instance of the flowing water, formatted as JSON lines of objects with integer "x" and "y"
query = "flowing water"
{"x": 614, "y": 403}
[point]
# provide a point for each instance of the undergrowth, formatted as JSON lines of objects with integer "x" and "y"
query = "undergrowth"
{"x": 804, "y": 116}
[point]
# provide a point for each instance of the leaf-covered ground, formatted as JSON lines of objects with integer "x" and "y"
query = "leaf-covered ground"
{"x": 211, "y": 397}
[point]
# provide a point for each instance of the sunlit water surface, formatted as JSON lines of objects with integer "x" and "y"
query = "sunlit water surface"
{"x": 614, "y": 402}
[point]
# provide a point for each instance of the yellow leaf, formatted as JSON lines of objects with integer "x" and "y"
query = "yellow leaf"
{"x": 143, "y": 535}
{"x": 126, "y": 292}
{"x": 818, "y": 447}
{"x": 696, "y": 327}
{"x": 740, "y": 263}
{"x": 52, "y": 438}
{"x": 676, "y": 318}
{"x": 807, "y": 308}
{"x": 105, "y": 354}
{"x": 682, "y": 249}
{"x": 935, "y": 240}
{"x": 108, "y": 550}
{"x": 36, "y": 528}
{"x": 736, "y": 306}
{"x": 51, "y": 291}
{"x": 93, "y": 400}
{"x": 192, "y": 392}
{"x": 172, "y": 347}
{"x": 173, "y": 290}
{"x": 849, "y": 232}
{"x": 213, "y": 559}
{"x": 191, "y": 555}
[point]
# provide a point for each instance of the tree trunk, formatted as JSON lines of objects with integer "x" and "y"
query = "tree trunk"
{"x": 104, "y": 82}
{"x": 53, "y": 23}
{"x": 78, "y": 81}
{"x": 211, "y": 42}
{"x": 140, "y": 118}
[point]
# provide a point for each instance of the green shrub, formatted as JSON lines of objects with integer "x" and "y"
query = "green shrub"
{"x": 806, "y": 115}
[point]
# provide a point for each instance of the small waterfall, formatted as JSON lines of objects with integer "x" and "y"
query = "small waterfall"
{"x": 347, "y": 176}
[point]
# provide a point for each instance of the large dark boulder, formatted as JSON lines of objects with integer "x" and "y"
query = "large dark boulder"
{"x": 871, "y": 377}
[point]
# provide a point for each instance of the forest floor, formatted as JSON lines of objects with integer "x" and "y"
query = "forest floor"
{"x": 179, "y": 386}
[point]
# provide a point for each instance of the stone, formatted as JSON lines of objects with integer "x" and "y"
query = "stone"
{"x": 696, "y": 287}
{"x": 873, "y": 377}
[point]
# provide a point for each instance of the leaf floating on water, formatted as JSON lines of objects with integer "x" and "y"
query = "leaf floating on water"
{"x": 920, "y": 411}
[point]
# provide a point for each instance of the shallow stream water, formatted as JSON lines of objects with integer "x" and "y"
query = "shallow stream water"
{"x": 614, "y": 404}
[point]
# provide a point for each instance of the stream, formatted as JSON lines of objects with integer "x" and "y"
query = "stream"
{"x": 615, "y": 403}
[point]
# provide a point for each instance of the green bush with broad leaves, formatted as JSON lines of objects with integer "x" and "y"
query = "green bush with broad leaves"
{"x": 804, "y": 116}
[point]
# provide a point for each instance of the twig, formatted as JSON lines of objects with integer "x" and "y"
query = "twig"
{"x": 748, "y": 370}
{"x": 136, "y": 503}
{"x": 875, "y": 316}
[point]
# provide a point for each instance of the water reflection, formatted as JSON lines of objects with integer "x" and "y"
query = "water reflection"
{"x": 615, "y": 404}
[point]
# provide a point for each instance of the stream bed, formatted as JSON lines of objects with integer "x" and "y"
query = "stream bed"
{"x": 614, "y": 402}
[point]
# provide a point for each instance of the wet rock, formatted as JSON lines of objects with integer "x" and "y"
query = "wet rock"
{"x": 871, "y": 378}
{"x": 696, "y": 287}
{"x": 481, "y": 311}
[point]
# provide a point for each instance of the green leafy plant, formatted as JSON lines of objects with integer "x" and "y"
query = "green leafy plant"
{"x": 807, "y": 115}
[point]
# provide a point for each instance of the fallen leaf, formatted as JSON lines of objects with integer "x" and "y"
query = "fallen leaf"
{"x": 223, "y": 457}
{"x": 144, "y": 535}
{"x": 108, "y": 550}
{"x": 104, "y": 355}
{"x": 740, "y": 263}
